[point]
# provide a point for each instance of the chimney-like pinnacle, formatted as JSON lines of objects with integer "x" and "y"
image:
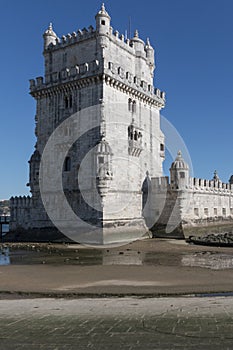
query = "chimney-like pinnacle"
{"x": 103, "y": 12}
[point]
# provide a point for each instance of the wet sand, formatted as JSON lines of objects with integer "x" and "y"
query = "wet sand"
{"x": 147, "y": 268}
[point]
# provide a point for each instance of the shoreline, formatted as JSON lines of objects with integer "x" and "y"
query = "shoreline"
{"x": 151, "y": 268}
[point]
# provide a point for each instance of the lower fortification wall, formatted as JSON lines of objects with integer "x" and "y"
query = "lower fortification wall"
{"x": 202, "y": 207}
{"x": 25, "y": 215}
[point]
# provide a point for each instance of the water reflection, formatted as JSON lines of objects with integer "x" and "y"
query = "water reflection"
{"x": 122, "y": 258}
{"x": 4, "y": 256}
{"x": 209, "y": 260}
{"x": 69, "y": 257}
{"x": 50, "y": 255}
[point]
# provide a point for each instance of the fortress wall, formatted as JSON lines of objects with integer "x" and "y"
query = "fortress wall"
{"x": 202, "y": 207}
{"x": 24, "y": 215}
{"x": 20, "y": 212}
{"x": 209, "y": 199}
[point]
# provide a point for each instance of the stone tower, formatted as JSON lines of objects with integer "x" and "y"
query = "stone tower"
{"x": 179, "y": 173}
{"x": 101, "y": 70}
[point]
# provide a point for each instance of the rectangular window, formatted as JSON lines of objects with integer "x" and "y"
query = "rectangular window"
{"x": 196, "y": 211}
{"x": 224, "y": 212}
{"x": 101, "y": 160}
{"x": 67, "y": 164}
{"x": 182, "y": 175}
{"x": 215, "y": 212}
{"x": 206, "y": 211}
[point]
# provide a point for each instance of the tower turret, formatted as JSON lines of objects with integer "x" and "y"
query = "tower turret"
{"x": 102, "y": 21}
{"x": 49, "y": 37}
{"x": 150, "y": 55}
{"x": 179, "y": 173}
{"x": 138, "y": 44}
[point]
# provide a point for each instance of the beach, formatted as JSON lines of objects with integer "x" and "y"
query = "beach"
{"x": 153, "y": 267}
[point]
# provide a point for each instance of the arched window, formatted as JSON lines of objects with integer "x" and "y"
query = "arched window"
{"x": 130, "y": 104}
{"x": 67, "y": 164}
{"x": 134, "y": 107}
{"x": 68, "y": 101}
{"x": 71, "y": 101}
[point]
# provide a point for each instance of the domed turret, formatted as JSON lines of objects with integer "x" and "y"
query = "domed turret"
{"x": 150, "y": 54}
{"x": 138, "y": 43}
{"x": 102, "y": 21}
{"x": 179, "y": 173}
{"x": 49, "y": 37}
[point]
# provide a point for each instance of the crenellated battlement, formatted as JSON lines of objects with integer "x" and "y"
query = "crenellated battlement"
{"x": 114, "y": 74}
{"x": 67, "y": 74}
{"x": 85, "y": 34}
{"x": 209, "y": 185}
{"x": 21, "y": 202}
{"x": 73, "y": 38}
{"x": 128, "y": 78}
{"x": 194, "y": 184}
{"x": 160, "y": 183}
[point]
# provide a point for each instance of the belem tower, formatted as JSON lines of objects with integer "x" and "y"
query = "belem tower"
{"x": 98, "y": 92}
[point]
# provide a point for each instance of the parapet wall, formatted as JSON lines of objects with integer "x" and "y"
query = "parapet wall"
{"x": 65, "y": 75}
{"x": 90, "y": 33}
{"x": 202, "y": 204}
{"x": 209, "y": 185}
{"x": 25, "y": 214}
{"x": 114, "y": 74}
{"x": 20, "y": 212}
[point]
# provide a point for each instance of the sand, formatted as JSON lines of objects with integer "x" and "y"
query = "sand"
{"x": 153, "y": 267}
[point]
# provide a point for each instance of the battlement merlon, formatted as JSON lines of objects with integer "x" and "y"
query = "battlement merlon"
{"x": 137, "y": 88}
{"x": 101, "y": 43}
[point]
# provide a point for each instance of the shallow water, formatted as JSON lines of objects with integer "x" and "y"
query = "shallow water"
{"x": 209, "y": 260}
{"x": 83, "y": 257}
{"x": 91, "y": 257}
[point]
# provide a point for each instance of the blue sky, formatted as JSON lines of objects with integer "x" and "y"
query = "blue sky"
{"x": 194, "y": 55}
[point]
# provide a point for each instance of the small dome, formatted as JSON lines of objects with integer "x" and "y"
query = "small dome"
{"x": 103, "y": 148}
{"x": 136, "y": 38}
{"x": 103, "y": 12}
{"x": 50, "y": 32}
{"x": 179, "y": 162}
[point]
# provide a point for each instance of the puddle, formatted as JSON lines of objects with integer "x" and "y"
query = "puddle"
{"x": 4, "y": 256}
{"x": 51, "y": 255}
{"x": 127, "y": 258}
{"x": 83, "y": 257}
{"x": 209, "y": 260}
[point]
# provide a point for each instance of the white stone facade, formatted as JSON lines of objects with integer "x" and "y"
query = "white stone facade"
{"x": 112, "y": 175}
{"x": 97, "y": 67}
{"x": 189, "y": 206}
